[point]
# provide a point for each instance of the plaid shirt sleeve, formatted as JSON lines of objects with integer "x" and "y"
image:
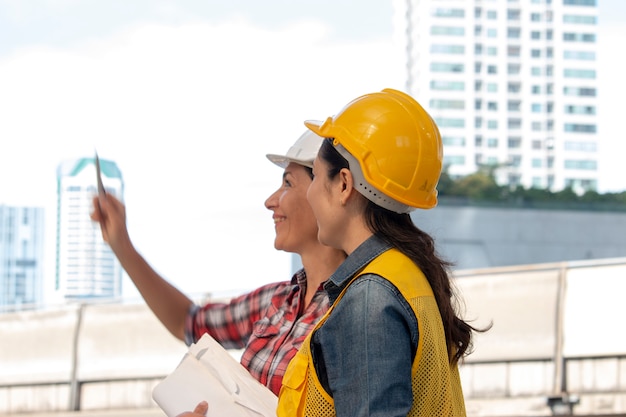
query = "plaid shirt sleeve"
{"x": 270, "y": 323}
{"x": 230, "y": 323}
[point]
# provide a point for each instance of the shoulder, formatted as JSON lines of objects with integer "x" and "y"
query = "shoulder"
{"x": 372, "y": 296}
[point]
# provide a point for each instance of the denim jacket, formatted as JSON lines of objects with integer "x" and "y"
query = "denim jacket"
{"x": 363, "y": 352}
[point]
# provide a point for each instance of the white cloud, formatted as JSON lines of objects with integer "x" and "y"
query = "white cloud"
{"x": 188, "y": 113}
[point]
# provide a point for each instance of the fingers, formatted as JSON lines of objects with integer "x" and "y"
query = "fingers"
{"x": 96, "y": 214}
{"x": 201, "y": 408}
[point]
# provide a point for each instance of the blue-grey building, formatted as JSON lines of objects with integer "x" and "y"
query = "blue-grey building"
{"x": 21, "y": 256}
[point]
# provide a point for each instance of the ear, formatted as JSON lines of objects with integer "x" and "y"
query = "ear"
{"x": 346, "y": 185}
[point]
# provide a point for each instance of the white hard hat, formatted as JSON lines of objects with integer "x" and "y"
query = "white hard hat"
{"x": 303, "y": 152}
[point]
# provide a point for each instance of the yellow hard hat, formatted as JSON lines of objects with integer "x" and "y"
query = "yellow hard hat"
{"x": 395, "y": 145}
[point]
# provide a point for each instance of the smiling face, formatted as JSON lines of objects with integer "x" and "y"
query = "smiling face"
{"x": 296, "y": 227}
{"x": 321, "y": 198}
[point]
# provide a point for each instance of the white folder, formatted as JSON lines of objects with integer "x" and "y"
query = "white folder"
{"x": 209, "y": 373}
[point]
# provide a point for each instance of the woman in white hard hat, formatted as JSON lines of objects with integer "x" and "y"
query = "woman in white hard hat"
{"x": 390, "y": 343}
{"x": 271, "y": 322}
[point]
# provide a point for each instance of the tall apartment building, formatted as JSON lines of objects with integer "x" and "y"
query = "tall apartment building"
{"x": 21, "y": 257}
{"x": 85, "y": 265}
{"x": 511, "y": 83}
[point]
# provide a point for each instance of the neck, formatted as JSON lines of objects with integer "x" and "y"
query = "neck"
{"x": 319, "y": 264}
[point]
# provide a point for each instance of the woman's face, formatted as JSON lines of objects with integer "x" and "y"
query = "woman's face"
{"x": 295, "y": 225}
{"x": 321, "y": 201}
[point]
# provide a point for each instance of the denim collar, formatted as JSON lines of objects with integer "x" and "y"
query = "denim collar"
{"x": 357, "y": 260}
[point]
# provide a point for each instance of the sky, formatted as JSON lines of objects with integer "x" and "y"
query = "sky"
{"x": 187, "y": 97}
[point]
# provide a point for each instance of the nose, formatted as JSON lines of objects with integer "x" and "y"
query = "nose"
{"x": 272, "y": 201}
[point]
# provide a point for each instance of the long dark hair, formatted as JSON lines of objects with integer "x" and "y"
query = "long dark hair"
{"x": 400, "y": 231}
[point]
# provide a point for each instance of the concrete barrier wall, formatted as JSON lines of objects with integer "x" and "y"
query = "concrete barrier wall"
{"x": 37, "y": 347}
{"x": 118, "y": 342}
{"x": 556, "y": 327}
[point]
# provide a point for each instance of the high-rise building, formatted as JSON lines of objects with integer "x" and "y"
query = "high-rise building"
{"x": 21, "y": 257}
{"x": 512, "y": 85}
{"x": 85, "y": 265}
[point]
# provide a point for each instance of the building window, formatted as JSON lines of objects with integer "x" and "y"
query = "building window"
{"x": 492, "y": 161}
{"x": 536, "y": 108}
{"x": 514, "y": 142}
{"x": 515, "y": 123}
{"x": 478, "y": 67}
{"x": 492, "y": 51}
{"x": 492, "y": 33}
{"x": 579, "y": 91}
{"x": 580, "y": 109}
{"x": 492, "y": 14}
{"x": 447, "y": 49}
{"x": 514, "y": 51}
{"x": 492, "y": 87}
{"x": 536, "y": 126}
{"x": 492, "y": 143}
{"x": 453, "y": 141}
{"x": 580, "y": 55}
{"x": 579, "y": 73}
{"x": 492, "y": 69}
{"x": 536, "y": 163}
{"x": 454, "y": 160}
{"x": 580, "y": 146}
{"x": 446, "y": 67}
{"x": 513, "y": 33}
{"x": 447, "y": 104}
{"x": 513, "y": 14}
{"x": 478, "y": 85}
{"x": 579, "y": 37}
{"x": 447, "y": 85}
{"x": 535, "y": 17}
{"x": 513, "y": 69}
{"x": 535, "y": 89}
{"x": 580, "y": 128}
{"x": 492, "y": 106}
{"x": 535, "y": 34}
{"x": 478, "y": 122}
{"x": 579, "y": 3}
{"x": 536, "y": 144}
{"x": 535, "y": 53}
{"x": 514, "y": 105}
{"x": 446, "y": 12}
{"x": 580, "y": 19}
{"x": 583, "y": 164}
{"x": 478, "y": 104}
{"x": 515, "y": 160}
{"x": 478, "y": 141}
{"x": 514, "y": 87}
{"x": 492, "y": 124}
{"x": 447, "y": 30}
{"x": 447, "y": 122}
{"x": 535, "y": 71}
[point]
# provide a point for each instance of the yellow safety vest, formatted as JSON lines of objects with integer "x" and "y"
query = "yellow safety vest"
{"x": 436, "y": 383}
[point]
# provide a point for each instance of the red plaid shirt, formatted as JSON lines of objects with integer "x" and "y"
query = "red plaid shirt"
{"x": 268, "y": 323}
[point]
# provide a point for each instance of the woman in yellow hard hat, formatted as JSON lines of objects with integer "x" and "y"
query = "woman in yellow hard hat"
{"x": 391, "y": 341}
